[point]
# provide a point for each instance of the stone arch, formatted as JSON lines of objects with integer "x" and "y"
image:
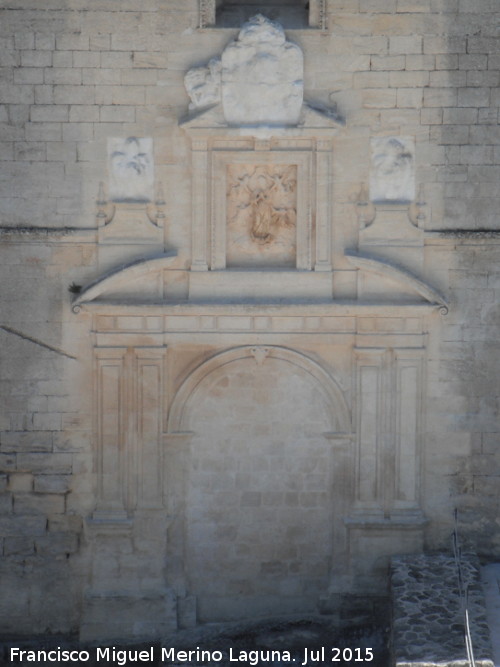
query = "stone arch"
{"x": 258, "y": 502}
{"x": 178, "y": 420}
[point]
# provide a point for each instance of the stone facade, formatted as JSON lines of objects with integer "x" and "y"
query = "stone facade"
{"x": 246, "y": 358}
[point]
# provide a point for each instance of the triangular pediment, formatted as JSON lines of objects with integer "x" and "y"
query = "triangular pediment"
{"x": 205, "y": 118}
{"x": 311, "y": 118}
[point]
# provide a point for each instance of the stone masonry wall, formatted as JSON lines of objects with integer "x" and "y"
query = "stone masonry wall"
{"x": 72, "y": 74}
{"x": 462, "y": 424}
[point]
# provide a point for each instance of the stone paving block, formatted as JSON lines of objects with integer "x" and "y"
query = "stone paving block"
{"x": 428, "y": 616}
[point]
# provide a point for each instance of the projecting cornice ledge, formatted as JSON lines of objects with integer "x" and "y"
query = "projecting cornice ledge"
{"x": 121, "y": 276}
{"x": 403, "y": 276}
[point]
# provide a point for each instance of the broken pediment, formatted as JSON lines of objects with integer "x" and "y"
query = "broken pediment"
{"x": 403, "y": 282}
{"x": 138, "y": 281}
{"x": 163, "y": 280}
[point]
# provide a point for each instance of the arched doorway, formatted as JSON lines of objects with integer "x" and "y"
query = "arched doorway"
{"x": 259, "y": 505}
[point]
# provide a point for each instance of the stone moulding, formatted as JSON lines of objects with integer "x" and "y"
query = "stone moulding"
{"x": 121, "y": 276}
{"x": 178, "y": 419}
{"x": 384, "y": 268}
{"x": 218, "y": 147}
{"x": 312, "y": 122}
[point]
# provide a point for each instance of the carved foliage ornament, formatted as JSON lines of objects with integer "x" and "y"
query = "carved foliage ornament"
{"x": 392, "y": 173}
{"x": 131, "y": 169}
{"x": 262, "y": 209}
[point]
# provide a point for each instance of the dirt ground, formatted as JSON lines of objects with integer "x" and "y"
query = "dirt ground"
{"x": 298, "y": 642}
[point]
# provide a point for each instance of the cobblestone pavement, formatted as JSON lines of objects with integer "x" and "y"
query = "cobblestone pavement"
{"x": 490, "y": 576}
{"x": 428, "y": 625}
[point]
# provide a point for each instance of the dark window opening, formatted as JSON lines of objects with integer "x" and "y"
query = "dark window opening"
{"x": 292, "y": 14}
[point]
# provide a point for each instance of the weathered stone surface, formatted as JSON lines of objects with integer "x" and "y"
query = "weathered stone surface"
{"x": 203, "y": 85}
{"x": 346, "y": 350}
{"x": 262, "y": 76}
{"x": 258, "y": 79}
{"x": 392, "y": 173}
{"x": 131, "y": 169}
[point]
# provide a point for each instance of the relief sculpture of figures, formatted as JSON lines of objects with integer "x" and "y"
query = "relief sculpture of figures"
{"x": 262, "y": 211}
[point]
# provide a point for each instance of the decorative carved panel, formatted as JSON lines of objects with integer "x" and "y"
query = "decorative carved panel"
{"x": 149, "y": 408}
{"x": 388, "y": 390}
{"x": 392, "y": 173}
{"x": 131, "y": 169}
{"x": 110, "y": 394}
{"x": 262, "y": 209}
{"x": 129, "y": 408}
{"x": 369, "y": 395}
{"x": 408, "y": 368}
{"x": 261, "y": 214}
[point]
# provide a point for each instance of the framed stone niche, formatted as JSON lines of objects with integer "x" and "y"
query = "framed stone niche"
{"x": 258, "y": 202}
{"x": 263, "y": 207}
{"x": 292, "y": 14}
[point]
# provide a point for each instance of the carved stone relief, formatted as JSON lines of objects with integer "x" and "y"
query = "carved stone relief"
{"x": 261, "y": 214}
{"x": 392, "y": 175}
{"x": 259, "y": 78}
{"x": 203, "y": 85}
{"x": 262, "y": 76}
{"x": 131, "y": 169}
